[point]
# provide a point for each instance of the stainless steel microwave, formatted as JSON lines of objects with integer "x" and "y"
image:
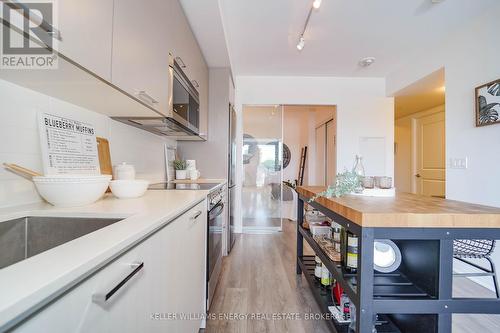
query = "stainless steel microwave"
{"x": 181, "y": 120}
{"x": 183, "y": 98}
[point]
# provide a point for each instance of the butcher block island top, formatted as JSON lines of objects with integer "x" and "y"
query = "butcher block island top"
{"x": 406, "y": 210}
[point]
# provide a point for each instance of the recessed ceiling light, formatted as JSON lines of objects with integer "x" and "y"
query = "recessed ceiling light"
{"x": 365, "y": 62}
{"x": 301, "y": 43}
{"x": 316, "y": 4}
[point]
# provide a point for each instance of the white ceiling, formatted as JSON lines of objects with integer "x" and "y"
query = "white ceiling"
{"x": 261, "y": 35}
{"x": 206, "y": 23}
{"x": 424, "y": 94}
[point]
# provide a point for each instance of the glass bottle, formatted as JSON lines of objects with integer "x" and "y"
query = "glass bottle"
{"x": 345, "y": 305}
{"x": 359, "y": 170}
{"x": 351, "y": 256}
{"x": 326, "y": 278}
{"x": 318, "y": 269}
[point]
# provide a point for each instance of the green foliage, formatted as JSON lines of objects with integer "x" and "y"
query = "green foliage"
{"x": 345, "y": 183}
{"x": 180, "y": 165}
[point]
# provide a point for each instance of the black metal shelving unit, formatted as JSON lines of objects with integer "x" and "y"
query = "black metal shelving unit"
{"x": 417, "y": 297}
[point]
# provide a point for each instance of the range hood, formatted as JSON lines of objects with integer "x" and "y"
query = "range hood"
{"x": 164, "y": 126}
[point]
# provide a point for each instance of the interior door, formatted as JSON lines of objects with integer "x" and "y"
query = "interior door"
{"x": 321, "y": 155}
{"x": 430, "y": 178}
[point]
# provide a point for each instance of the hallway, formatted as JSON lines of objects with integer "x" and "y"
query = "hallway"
{"x": 259, "y": 278}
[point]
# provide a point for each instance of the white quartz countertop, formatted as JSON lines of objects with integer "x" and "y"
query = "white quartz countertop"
{"x": 28, "y": 285}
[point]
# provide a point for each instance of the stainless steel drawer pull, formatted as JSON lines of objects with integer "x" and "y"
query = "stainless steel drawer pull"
{"x": 195, "y": 83}
{"x": 143, "y": 95}
{"x": 195, "y": 216}
{"x": 101, "y": 298}
{"x": 180, "y": 62}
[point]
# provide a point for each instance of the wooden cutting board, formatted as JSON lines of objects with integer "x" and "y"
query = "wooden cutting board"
{"x": 104, "y": 156}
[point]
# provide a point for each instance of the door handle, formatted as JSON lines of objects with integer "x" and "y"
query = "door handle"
{"x": 418, "y": 175}
{"x": 180, "y": 62}
{"x": 144, "y": 96}
{"x": 101, "y": 298}
{"x": 195, "y": 216}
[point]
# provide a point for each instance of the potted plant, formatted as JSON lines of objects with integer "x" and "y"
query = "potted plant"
{"x": 180, "y": 167}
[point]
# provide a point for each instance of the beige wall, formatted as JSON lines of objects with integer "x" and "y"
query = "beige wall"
{"x": 403, "y": 157}
{"x": 298, "y": 131}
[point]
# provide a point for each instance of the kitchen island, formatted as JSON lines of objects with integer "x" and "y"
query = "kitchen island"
{"x": 418, "y": 296}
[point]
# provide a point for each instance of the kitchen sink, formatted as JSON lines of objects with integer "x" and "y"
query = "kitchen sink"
{"x": 28, "y": 236}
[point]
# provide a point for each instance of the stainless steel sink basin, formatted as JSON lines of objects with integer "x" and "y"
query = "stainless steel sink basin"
{"x": 28, "y": 236}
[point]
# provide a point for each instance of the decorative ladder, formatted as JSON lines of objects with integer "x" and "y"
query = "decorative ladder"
{"x": 302, "y": 166}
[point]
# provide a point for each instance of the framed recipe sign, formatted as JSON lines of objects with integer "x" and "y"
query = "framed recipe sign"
{"x": 488, "y": 104}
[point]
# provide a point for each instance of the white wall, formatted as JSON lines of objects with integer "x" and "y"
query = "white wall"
{"x": 362, "y": 110}
{"x": 212, "y": 155}
{"x": 470, "y": 58}
{"x": 19, "y": 141}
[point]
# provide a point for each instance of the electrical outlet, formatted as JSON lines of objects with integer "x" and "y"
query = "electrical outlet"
{"x": 459, "y": 163}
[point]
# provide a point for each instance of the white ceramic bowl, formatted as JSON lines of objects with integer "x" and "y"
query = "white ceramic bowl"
{"x": 127, "y": 189}
{"x": 72, "y": 190}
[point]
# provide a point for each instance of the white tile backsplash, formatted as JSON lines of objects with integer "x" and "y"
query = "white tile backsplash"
{"x": 19, "y": 141}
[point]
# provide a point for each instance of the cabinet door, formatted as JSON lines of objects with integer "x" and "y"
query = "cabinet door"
{"x": 86, "y": 30}
{"x": 185, "y": 47}
{"x": 192, "y": 273}
{"x": 171, "y": 282}
{"x": 135, "y": 307}
{"x": 141, "y": 47}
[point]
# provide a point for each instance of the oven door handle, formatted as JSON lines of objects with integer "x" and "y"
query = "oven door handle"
{"x": 216, "y": 210}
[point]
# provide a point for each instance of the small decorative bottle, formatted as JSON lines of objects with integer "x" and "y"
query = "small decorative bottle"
{"x": 359, "y": 170}
{"x": 318, "y": 269}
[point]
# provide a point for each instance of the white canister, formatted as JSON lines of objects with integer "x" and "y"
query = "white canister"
{"x": 181, "y": 174}
{"x": 194, "y": 174}
{"x": 123, "y": 171}
{"x": 190, "y": 164}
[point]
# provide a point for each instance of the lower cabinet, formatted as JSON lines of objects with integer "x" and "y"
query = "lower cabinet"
{"x": 157, "y": 286}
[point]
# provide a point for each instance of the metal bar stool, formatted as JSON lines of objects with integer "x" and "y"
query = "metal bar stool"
{"x": 464, "y": 249}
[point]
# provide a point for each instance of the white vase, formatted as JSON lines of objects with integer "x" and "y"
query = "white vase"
{"x": 180, "y": 174}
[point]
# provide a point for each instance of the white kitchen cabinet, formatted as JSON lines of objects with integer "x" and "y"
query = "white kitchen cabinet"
{"x": 86, "y": 29}
{"x": 185, "y": 47}
{"x": 190, "y": 293}
{"x": 141, "y": 46}
{"x": 171, "y": 282}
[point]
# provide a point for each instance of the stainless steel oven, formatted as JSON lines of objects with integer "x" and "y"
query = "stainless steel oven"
{"x": 184, "y": 101}
{"x": 216, "y": 212}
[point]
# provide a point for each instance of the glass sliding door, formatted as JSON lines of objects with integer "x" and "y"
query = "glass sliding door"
{"x": 262, "y": 168}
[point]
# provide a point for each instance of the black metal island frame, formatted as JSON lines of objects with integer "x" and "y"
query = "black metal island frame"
{"x": 417, "y": 298}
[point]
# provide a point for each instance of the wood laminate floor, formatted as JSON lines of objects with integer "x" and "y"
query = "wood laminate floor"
{"x": 259, "y": 278}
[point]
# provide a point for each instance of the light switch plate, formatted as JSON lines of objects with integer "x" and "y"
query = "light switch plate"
{"x": 459, "y": 163}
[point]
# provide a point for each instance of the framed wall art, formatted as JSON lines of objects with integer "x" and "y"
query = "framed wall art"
{"x": 488, "y": 104}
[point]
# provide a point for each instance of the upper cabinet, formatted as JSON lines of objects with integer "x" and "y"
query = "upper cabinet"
{"x": 141, "y": 46}
{"x": 145, "y": 33}
{"x": 86, "y": 30}
{"x": 127, "y": 45}
{"x": 187, "y": 52}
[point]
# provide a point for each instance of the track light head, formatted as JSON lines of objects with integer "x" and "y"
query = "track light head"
{"x": 301, "y": 43}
